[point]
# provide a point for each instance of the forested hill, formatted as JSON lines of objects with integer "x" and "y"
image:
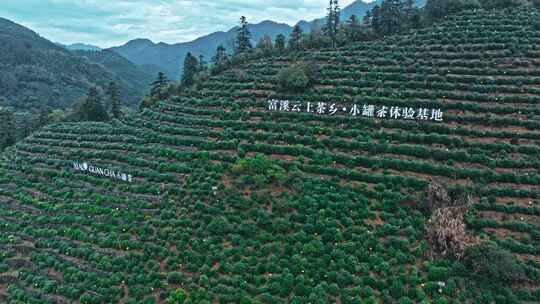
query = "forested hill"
{"x": 135, "y": 80}
{"x": 401, "y": 170}
{"x": 168, "y": 58}
{"x": 36, "y": 73}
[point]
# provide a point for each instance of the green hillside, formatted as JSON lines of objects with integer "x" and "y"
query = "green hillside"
{"x": 235, "y": 201}
{"x": 134, "y": 80}
{"x": 36, "y": 73}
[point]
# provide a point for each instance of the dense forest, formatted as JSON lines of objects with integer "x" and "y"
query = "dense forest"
{"x": 41, "y": 82}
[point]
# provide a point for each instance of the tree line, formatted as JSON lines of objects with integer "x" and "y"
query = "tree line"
{"x": 97, "y": 105}
{"x": 390, "y": 17}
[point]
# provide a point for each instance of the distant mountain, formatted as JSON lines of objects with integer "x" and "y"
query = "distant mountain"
{"x": 82, "y": 47}
{"x": 358, "y": 8}
{"x": 34, "y": 72}
{"x": 168, "y": 58}
{"x": 133, "y": 78}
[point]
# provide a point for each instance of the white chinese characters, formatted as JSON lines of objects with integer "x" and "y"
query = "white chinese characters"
{"x": 355, "y": 110}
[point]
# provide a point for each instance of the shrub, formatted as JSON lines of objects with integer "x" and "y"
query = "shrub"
{"x": 177, "y": 297}
{"x": 174, "y": 278}
{"x": 293, "y": 78}
{"x": 494, "y": 264}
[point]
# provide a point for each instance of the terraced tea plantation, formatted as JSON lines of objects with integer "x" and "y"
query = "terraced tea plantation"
{"x": 232, "y": 202}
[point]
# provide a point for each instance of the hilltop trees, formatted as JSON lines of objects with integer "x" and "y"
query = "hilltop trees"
{"x": 220, "y": 60}
{"x": 389, "y": 18}
{"x": 191, "y": 68}
{"x": 243, "y": 37}
{"x": 438, "y": 9}
{"x": 279, "y": 44}
{"x": 159, "y": 90}
{"x": 332, "y": 27}
{"x": 7, "y": 130}
{"x": 265, "y": 45}
{"x": 91, "y": 109}
{"x": 294, "y": 40}
{"x": 354, "y": 31}
{"x": 159, "y": 84}
{"x": 114, "y": 100}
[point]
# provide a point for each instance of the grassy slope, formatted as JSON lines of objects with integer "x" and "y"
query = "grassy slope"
{"x": 325, "y": 222}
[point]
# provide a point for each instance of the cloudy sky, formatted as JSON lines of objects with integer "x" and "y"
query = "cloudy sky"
{"x": 108, "y": 23}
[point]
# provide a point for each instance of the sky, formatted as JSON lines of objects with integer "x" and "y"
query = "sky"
{"x": 107, "y": 23}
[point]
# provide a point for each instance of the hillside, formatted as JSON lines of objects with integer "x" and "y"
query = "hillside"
{"x": 230, "y": 200}
{"x": 169, "y": 58}
{"x": 36, "y": 73}
{"x": 134, "y": 79}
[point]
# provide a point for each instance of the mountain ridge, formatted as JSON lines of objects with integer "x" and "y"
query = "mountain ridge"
{"x": 36, "y": 73}
{"x": 169, "y": 57}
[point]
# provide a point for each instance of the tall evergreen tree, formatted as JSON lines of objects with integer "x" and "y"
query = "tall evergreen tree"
{"x": 7, "y": 128}
{"x": 113, "y": 93}
{"x": 93, "y": 109}
{"x": 376, "y": 19}
{"x": 243, "y": 37}
{"x": 367, "y": 18}
{"x": 157, "y": 86}
{"x": 353, "y": 29}
{"x": 191, "y": 67}
{"x": 202, "y": 63}
{"x": 279, "y": 44}
{"x": 296, "y": 36}
{"x": 328, "y": 29}
{"x": 391, "y": 17}
{"x": 333, "y": 20}
{"x": 220, "y": 58}
{"x": 337, "y": 17}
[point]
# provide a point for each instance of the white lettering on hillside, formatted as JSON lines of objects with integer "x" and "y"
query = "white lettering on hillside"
{"x": 105, "y": 172}
{"x": 355, "y": 110}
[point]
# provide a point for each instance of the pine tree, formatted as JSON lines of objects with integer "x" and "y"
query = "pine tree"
{"x": 328, "y": 29}
{"x": 114, "y": 100}
{"x": 337, "y": 17}
{"x": 333, "y": 20}
{"x": 279, "y": 44}
{"x": 220, "y": 60}
{"x": 202, "y": 63}
{"x": 376, "y": 19}
{"x": 243, "y": 37}
{"x": 391, "y": 17}
{"x": 158, "y": 85}
{"x": 93, "y": 109}
{"x": 7, "y": 128}
{"x": 296, "y": 36}
{"x": 191, "y": 67}
{"x": 367, "y": 18}
{"x": 353, "y": 29}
